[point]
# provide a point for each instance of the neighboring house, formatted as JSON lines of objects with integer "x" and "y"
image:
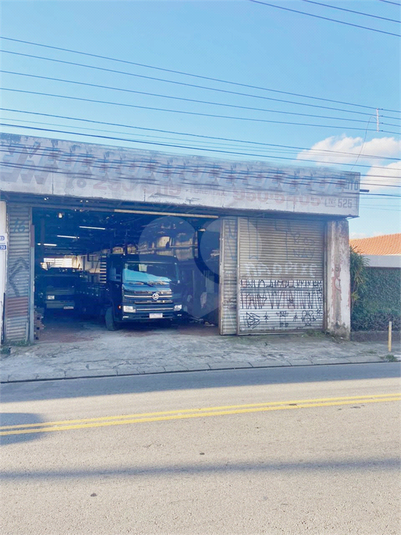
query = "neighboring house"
{"x": 380, "y": 251}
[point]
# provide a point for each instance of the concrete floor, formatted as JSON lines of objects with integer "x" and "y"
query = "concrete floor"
{"x": 70, "y": 348}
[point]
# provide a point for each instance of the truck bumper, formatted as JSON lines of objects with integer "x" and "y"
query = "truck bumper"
{"x": 150, "y": 315}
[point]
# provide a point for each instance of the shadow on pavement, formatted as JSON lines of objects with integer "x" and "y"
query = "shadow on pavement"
{"x": 104, "y": 386}
{"x": 14, "y": 427}
{"x": 332, "y": 466}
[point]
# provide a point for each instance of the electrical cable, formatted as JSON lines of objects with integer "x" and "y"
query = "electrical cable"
{"x": 225, "y": 91}
{"x": 268, "y": 156}
{"x": 206, "y": 147}
{"x": 182, "y": 112}
{"x": 165, "y": 170}
{"x": 236, "y": 153}
{"x": 76, "y": 175}
{"x": 146, "y": 93}
{"x": 195, "y": 135}
{"x": 352, "y": 11}
{"x": 84, "y": 176}
{"x": 182, "y": 73}
{"x": 324, "y": 18}
{"x": 86, "y": 158}
{"x": 388, "y": 2}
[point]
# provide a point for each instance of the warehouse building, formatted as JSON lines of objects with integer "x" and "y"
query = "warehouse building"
{"x": 260, "y": 248}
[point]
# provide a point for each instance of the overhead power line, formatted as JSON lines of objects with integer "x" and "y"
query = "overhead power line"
{"x": 239, "y": 177}
{"x": 224, "y": 91}
{"x": 114, "y": 138}
{"x": 172, "y": 71}
{"x": 200, "y": 136}
{"x": 206, "y": 147}
{"x": 182, "y": 99}
{"x": 183, "y": 112}
{"x": 149, "y": 164}
{"x": 212, "y": 169}
{"x": 352, "y": 11}
{"x": 388, "y": 2}
{"x": 324, "y": 18}
{"x": 268, "y": 152}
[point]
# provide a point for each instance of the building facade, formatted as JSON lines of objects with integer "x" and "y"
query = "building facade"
{"x": 273, "y": 240}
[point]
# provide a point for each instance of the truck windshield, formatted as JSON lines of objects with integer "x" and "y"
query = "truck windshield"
{"x": 149, "y": 273}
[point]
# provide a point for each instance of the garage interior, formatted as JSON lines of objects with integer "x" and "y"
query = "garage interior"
{"x": 71, "y": 242}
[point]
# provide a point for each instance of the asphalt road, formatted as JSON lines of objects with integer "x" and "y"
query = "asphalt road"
{"x": 311, "y": 450}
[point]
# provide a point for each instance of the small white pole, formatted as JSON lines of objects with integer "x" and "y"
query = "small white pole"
{"x": 390, "y": 325}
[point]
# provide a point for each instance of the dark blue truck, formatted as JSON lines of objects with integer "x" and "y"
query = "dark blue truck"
{"x": 135, "y": 288}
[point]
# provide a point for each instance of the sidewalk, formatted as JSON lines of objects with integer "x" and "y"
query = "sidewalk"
{"x": 91, "y": 351}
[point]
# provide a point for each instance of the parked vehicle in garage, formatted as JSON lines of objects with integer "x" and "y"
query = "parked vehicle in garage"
{"x": 135, "y": 288}
{"x": 57, "y": 289}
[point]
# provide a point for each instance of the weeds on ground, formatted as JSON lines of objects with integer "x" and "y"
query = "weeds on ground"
{"x": 6, "y": 349}
{"x": 19, "y": 343}
{"x": 315, "y": 334}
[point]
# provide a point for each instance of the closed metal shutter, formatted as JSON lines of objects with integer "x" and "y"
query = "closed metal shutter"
{"x": 18, "y": 289}
{"x": 280, "y": 285}
{"x": 228, "y": 276}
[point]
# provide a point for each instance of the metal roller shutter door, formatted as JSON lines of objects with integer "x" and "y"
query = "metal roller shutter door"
{"x": 280, "y": 276}
{"x": 228, "y": 276}
{"x": 18, "y": 289}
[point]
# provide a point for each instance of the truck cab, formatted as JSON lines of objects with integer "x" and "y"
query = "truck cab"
{"x": 141, "y": 288}
{"x": 57, "y": 289}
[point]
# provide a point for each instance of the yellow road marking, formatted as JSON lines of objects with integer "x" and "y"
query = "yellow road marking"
{"x": 105, "y": 421}
{"x": 223, "y": 407}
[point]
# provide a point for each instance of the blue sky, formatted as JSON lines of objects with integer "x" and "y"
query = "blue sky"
{"x": 287, "y": 57}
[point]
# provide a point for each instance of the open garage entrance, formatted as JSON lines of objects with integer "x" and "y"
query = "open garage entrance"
{"x": 173, "y": 256}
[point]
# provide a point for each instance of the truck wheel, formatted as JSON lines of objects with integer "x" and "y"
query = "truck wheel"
{"x": 111, "y": 325}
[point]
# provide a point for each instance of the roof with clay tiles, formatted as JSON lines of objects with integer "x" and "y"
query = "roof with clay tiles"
{"x": 388, "y": 244}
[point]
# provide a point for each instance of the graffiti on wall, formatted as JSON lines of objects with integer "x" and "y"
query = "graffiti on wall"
{"x": 280, "y": 304}
{"x": 279, "y": 269}
{"x": 281, "y": 275}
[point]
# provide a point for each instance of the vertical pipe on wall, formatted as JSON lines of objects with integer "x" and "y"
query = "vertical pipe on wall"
{"x": 3, "y": 263}
{"x": 31, "y": 334}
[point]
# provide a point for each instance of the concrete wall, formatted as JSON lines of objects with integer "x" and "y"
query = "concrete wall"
{"x": 384, "y": 261}
{"x": 338, "y": 291}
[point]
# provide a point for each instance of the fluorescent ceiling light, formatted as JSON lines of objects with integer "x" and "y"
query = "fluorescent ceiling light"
{"x": 48, "y": 244}
{"x": 70, "y": 237}
{"x": 165, "y": 214}
{"x": 92, "y": 228}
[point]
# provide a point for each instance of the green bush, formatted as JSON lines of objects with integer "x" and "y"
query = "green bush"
{"x": 375, "y": 296}
{"x": 366, "y": 320}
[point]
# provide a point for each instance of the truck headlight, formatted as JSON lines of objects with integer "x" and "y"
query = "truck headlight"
{"x": 50, "y": 297}
{"x": 129, "y": 308}
{"x": 177, "y": 308}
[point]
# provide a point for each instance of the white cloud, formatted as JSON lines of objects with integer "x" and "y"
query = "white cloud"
{"x": 376, "y": 177}
{"x": 352, "y": 150}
